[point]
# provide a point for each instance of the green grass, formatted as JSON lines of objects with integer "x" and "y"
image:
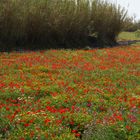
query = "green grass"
{"x": 128, "y": 36}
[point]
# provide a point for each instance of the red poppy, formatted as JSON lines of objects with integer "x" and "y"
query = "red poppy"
{"x": 26, "y": 124}
{"x": 74, "y": 131}
{"x": 47, "y": 120}
{"x": 119, "y": 117}
{"x": 77, "y": 134}
{"x": 128, "y": 128}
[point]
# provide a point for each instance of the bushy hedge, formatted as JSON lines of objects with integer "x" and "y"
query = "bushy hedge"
{"x": 59, "y": 22}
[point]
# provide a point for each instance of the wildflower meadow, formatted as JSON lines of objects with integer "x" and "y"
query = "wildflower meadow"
{"x": 64, "y": 74}
{"x": 70, "y": 94}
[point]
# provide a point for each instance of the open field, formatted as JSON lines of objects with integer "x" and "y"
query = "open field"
{"x": 129, "y": 37}
{"x": 68, "y": 95}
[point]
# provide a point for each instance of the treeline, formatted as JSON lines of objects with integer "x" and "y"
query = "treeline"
{"x": 132, "y": 25}
{"x": 60, "y": 22}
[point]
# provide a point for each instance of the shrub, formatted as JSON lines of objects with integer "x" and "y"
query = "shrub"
{"x": 108, "y": 20}
{"x": 59, "y": 22}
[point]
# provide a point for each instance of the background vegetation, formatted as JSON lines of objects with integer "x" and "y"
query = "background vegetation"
{"x": 131, "y": 25}
{"x": 129, "y": 38}
{"x": 59, "y": 22}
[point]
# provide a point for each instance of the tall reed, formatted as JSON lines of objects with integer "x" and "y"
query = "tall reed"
{"x": 59, "y": 22}
{"x": 108, "y": 20}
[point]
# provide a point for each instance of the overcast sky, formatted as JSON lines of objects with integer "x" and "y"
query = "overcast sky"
{"x": 133, "y": 6}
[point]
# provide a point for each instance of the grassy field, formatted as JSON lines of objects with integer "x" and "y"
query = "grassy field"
{"x": 128, "y": 36}
{"x": 69, "y": 95}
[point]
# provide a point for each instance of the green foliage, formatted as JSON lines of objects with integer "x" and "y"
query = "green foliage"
{"x": 59, "y": 22}
{"x": 137, "y": 33}
{"x": 106, "y": 132}
{"x": 107, "y": 20}
{"x": 131, "y": 25}
{"x": 97, "y": 132}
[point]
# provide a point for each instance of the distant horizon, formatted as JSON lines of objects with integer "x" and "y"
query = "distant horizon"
{"x": 133, "y": 7}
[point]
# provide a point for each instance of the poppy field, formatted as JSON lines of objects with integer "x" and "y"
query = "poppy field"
{"x": 70, "y": 94}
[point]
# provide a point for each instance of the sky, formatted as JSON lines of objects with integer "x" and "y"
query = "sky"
{"x": 133, "y": 6}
